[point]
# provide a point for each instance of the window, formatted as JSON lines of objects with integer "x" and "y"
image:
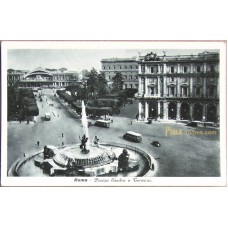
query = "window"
{"x": 130, "y": 67}
{"x": 171, "y": 91}
{"x": 114, "y": 67}
{"x": 136, "y": 77}
{"x": 131, "y": 77}
{"x": 152, "y": 70}
{"x": 136, "y": 67}
{"x": 126, "y": 77}
{"x": 197, "y": 92}
{"x": 152, "y": 91}
{"x": 211, "y": 91}
{"x": 109, "y": 67}
{"x": 212, "y": 68}
{"x": 198, "y": 69}
{"x": 172, "y": 69}
{"x": 104, "y": 68}
{"x": 143, "y": 68}
{"x": 172, "y": 79}
{"x": 125, "y": 67}
{"x": 120, "y": 67}
{"x": 184, "y": 91}
{"x": 185, "y": 69}
{"x": 131, "y": 86}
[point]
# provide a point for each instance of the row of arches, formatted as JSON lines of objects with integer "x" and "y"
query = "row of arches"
{"x": 183, "y": 112}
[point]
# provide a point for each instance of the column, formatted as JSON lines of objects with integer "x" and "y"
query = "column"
{"x": 140, "y": 85}
{"x": 204, "y": 67}
{"x": 159, "y": 69}
{"x": 191, "y": 68}
{"x": 164, "y": 68}
{"x": 159, "y": 107}
{"x": 140, "y": 71}
{"x": 140, "y": 109}
{"x": 191, "y": 111}
{"x": 178, "y": 110}
{"x": 178, "y": 87}
{"x": 204, "y": 87}
{"x": 204, "y": 111}
{"x": 191, "y": 87}
{"x": 159, "y": 86}
{"x": 218, "y": 88}
{"x": 146, "y": 86}
{"x": 164, "y": 87}
{"x": 146, "y": 111}
{"x": 165, "y": 110}
{"x": 178, "y": 68}
{"x": 217, "y": 110}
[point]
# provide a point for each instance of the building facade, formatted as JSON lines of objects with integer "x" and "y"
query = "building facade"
{"x": 128, "y": 67}
{"x": 184, "y": 87}
{"x": 42, "y": 78}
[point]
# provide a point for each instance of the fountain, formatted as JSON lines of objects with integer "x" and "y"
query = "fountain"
{"x": 86, "y": 159}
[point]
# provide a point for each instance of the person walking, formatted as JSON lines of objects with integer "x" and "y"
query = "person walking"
{"x": 62, "y": 135}
{"x": 38, "y": 143}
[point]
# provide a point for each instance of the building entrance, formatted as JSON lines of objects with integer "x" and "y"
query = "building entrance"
{"x": 211, "y": 113}
{"x": 153, "y": 110}
{"x": 197, "y": 112}
{"x": 184, "y": 112}
{"x": 172, "y": 111}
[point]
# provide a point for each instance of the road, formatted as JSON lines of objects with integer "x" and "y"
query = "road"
{"x": 179, "y": 155}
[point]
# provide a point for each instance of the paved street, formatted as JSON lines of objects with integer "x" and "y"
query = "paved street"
{"x": 180, "y": 154}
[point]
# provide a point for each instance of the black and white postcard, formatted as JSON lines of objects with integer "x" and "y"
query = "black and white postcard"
{"x": 124, "y": 113}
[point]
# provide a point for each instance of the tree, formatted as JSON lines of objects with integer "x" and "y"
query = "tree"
{"x": 102, "y": 84}
{"x": 92, "y": 81}
{"x": 118, "y": 82}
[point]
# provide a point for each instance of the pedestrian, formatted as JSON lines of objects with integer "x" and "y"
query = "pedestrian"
{"x": 62, "y": 143}
{"x": 95, "y": 141}
{"x": 38, "y": 143}
{"x": 62, "y": 135}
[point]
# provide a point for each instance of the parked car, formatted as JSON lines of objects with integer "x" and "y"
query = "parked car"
{"x": 47, "y": 116}
{"x": 133, "y": 136}
{"x": 156, "y": 143}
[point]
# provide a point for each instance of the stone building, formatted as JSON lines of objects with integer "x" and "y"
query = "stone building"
{"x": 128, "y": 67}
{"x": 183, "y": 87}
{"x": 41, "y": 78}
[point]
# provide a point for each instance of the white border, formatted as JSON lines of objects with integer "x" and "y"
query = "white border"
{"x": 155, "y": 181}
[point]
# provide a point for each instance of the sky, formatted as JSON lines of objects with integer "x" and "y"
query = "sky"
{"x": 78, "y": 59}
